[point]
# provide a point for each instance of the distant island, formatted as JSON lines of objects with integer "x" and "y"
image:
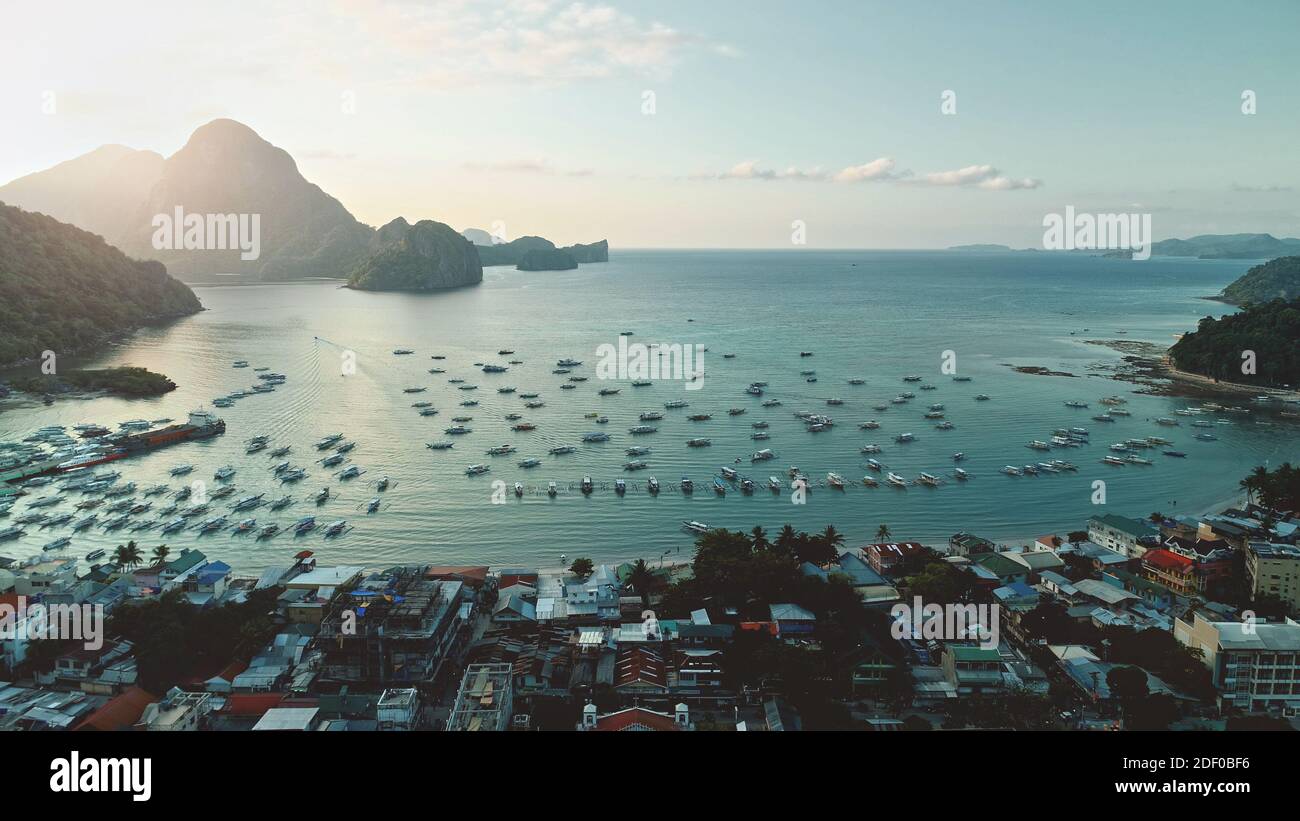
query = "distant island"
{"x": 538, "y": 253}
{"x": 426, "y": 256}
{"x": 124, "y": 381}
{"x": 1227, "y": 246}
{"x": 1270, "y": 329}
{"x": 66, "y": 290}
{"x": 982, "y": 247}
{"x": 1275, "y": 279}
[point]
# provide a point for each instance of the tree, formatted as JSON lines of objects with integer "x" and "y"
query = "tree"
{"x": 160, "y": 553}
{"x": 640, "y": 581}
{"x": 126, "y": 556}
{"x": 833, "y": 538}
{"x": 814, "y": 549}
{"x": 758, "y": 537}
{"x": 582, "y": 567}
{"x": 1077, "y": 537}
{"x": 786, "y": 539}
{"x": 1155, "y": 712}
{"x": 882, "y": 533}
{"x": 1128, "y": 685}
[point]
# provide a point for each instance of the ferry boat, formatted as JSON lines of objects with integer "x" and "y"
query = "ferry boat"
{"x": 651, "y": 416}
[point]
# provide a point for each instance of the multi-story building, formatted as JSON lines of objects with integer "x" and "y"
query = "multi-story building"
{"x": 1130, "y": 537}
{"x": 1274, "y": 570}
{"x": 1255, "y": 665}
{"x": 485, "y": 699}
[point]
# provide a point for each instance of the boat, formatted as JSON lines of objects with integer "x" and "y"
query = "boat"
{"x": 761, "y": 436}
{"x": 224, "y": 473}
{"x": 872, "y": 425}
{"x": 1075, "y": 403}
{"x": 268, "y": 531}
{"x": 587, "y": 485}
{"x": 982, "y": 397}
{"x": 534, "y": 405}
{"x": 245, "y": 525}
{"x": 458, "y": 430}
{"x": 896, "y": 480}
{"x": 620, "y": 486}
{"x": 494, "y": 369}
{"x": 332, "y": 460}
{"x": 329, "y": 441}
{"x": 551, "y": 489}
{"x": 637, "y": 451}
{"x": 699, "y": 443}
{"x": 304, "y": 525}
{"x": 961, "y": 379}
{"x": 1206, "y": 437}
{"x": 506, "y": 389}
{"x": 904, "y": 437}
{"x": 402, "y": 352}
{"x": 351, "y": 472}
{"x": 530, "y": 463}
{"x": 695, "y": 527}
{"x": 960, "y": 474}
{"x": 595, "y": 437}
{"x": 729, "y": 473}
{"x": 1048, "y": 467}
{"x": 97, "y": 553}
{"x": 322, "y": 495}
{"x": 835, "y": 480}
{"x": 562, "y": 450}
{"x": 700, "y": 417}
{"x": 1175, "y": 453}
{"x": 501, "y": 450}
{"x": 635, "y": 464}
{"x": 58, "y": 544}
{"x": 676, "y": 403}
{"x": 746, "y": 486}
{"x": 280, "y": 451}
{"x": 475, "y": 470}
{"x": 568, "y": 363}
{"x": 1038, "y": 444}
{"x": 1133, "y": 458}
{"x": 754, "y": 390}
{"x": 639, "y": 430}
{"x": 181, "y": 470}
{"x": 771, "y": 403}
{"x": 642, "y": 383}
{"x": 874, "y": 465}
{"x": 762, "y": 455}
{"x": 1113, "y": 460}
{"x": 686, "y": 485}
{"x": 928, "y": 479}
{"x": 1012, "y": 470}
{"x": 215, "y": 523}
{"x": 650, "y": 416}
{"x": 718, "y": 487}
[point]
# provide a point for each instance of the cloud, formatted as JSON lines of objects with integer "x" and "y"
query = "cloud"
{"x": 463, "y": 43}
{"x": 978, "y": 176}
{"x": 1262, "y": 189}
{"x": 985, "y": 177}
{"x": 527, "y": 167}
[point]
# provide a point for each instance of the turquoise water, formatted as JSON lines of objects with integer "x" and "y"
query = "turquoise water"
{"x": 877, "y": 316}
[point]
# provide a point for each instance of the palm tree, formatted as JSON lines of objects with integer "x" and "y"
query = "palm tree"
{"x": 127, "y": 555}
{"x": 160, "y": 554}
{"x": 833, "y": 538}
{"x": 640, "y": 580}
{"x": 758, "y": 537}
{"x": 786, "y": 539}
{"x": 882, "y": 533}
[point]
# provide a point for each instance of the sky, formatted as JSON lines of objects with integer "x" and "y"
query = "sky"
{"x": 713, "y": 124}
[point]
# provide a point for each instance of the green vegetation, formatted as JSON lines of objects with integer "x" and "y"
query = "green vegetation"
{"x": 1275, "y": 279}
{"x": 426, "y": 256}
{"x": 540, "y": 259}
{"x": 175, "y": 640}
{"x": 133, "y": 382}
{"x": 65, "y": 290}
{"x": 1278, "y": 489}
{"x": 1270, "y": 329}
{"x": 582, "y": 567}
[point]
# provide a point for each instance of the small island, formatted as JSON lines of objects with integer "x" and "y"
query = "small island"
{"x": 542, "y": 259}
{"x": 135, "y": 383}
{"x": 426, "y": 256}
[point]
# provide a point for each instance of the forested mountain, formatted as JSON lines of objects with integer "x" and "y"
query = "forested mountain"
{"x": 1276, "y": 279}
{"x": 63, "y": 289}
{"x": 1270, "y": 330}
{"x": 426, "y": 256}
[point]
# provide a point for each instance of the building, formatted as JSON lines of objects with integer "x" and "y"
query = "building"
{"x": 484, "y": 701}
{"x": 1173, "y": 570}
{"x": 1274, "y": 570}
{"x": 1255, "y": 665}
{"x": 1131, "y": 537}
{"x": 289, "y": 719}
{"x": 792, "y": 620}
{"x": 969, "y": 545}
{"x": 893, "y": 558}
{"x": 179, "y": 711}
{"x": 972, "y": 670}
{"x": 636, "y": 718}
{"x": 399, "y": 710}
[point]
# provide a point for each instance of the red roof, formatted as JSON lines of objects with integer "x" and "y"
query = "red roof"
{"x": 470, "y": 574}
{"x": 121, "y": 712}
{"x": 636, "y": 718}
{"x": 1162, "y": 559}
{"x": 639, "y": 665}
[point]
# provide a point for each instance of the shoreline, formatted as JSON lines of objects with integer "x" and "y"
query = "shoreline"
{"x": 1146, "y": 364}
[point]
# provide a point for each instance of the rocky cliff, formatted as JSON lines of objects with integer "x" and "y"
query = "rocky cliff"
{"x": 426, "y": 256}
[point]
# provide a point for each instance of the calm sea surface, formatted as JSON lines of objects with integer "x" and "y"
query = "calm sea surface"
{"x": 877, "y": 316}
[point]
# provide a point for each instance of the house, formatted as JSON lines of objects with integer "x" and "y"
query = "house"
{"x": 283, "y": 719}
{"x": 872, "y": 664}
{"x": 1173, "y": 570}
{"x": 791, "y": 619}
{"x": 893, "y": 558}
{"x": 179, "y": 711}
{"x": 485, "y": 700}
{"x": 1129, "y": 537}
{"x": 640, "y": 669}
{"x": 1274, "y": 570}
{"x": 1097, "y": 556}
{"x": 513, "y": 607}
{"x": 1057, "y": 584}
{"x": 1089, "y": 675}
{"x": 699, "y": 669}
{"x": 1003, "y": 568}
{"x": 636, "y": 718}
{"x": 972, "y": 670}
{"x": 1016, "y": 596}
{"x": 969, "y": 545}
{"x": 1037, "y": 561}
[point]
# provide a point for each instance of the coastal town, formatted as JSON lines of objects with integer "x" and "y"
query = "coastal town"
{"x": 1114, "y": 622}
